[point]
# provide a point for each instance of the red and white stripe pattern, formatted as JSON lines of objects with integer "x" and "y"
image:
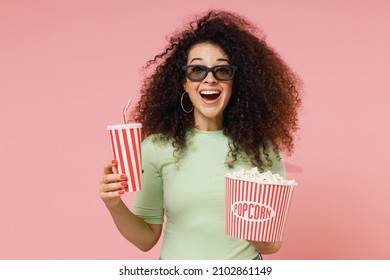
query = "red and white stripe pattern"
{"x": 256, "y": 211}
{"x": 126, "y": 148}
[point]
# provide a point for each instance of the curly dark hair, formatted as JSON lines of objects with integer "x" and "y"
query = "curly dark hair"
{"x": 265, "y": 98}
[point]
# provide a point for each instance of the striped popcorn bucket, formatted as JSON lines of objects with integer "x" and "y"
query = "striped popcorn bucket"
{"x": 256, "y": 211}
{"x": 126, "y": 149}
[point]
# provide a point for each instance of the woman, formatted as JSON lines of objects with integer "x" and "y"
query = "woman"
{"x": 218, "y": 99}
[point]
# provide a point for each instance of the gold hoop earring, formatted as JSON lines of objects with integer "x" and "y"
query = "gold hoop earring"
{"x": 181, "y": 103}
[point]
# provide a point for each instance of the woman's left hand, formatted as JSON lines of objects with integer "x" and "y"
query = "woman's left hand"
{"x": 266, "y": 247}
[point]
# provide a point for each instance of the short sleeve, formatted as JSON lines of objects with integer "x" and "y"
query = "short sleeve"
{"x": 148, "y": 202}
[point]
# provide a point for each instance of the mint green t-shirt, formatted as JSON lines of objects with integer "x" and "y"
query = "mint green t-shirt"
{"x": 192, "y": 197}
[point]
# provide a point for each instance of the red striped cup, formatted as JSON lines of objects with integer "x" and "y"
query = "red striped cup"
{"x": 256, "y": 211}
{"x": 126, "y": 148}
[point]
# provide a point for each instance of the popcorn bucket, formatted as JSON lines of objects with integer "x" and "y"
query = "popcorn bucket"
{"x": 126, "y": 149}
{"x": 256, "y": 211}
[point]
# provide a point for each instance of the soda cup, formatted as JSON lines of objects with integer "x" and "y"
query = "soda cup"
{"x": 126, "y": 149}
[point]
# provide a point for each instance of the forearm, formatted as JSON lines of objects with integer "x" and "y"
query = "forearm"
{"x": 266, "y": 247}
{"x": 133, "y": 228}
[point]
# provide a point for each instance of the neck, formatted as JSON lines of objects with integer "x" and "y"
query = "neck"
{"x": 209, "y": 122}
{"x": 208, "y": 126}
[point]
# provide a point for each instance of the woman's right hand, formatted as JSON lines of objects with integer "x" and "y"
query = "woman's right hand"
{"x": 132, "y": 227}
{"x": 112, "y": 186}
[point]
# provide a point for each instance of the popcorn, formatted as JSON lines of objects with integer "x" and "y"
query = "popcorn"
{"x": 265, "y": 177}
{"x": 257, "y": 204}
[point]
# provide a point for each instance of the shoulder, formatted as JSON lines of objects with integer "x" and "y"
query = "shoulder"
{"x": 156, "y": 144}
{"x": 273, "y": 153}
{"x": 156, "y": 140}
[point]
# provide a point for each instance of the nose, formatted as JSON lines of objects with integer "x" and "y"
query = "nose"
{"x": 210, "y": 78}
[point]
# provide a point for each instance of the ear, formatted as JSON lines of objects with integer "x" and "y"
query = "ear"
{"x": 185, "y": 84}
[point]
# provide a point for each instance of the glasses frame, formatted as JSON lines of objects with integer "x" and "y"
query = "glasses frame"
{"x": 209, "y": 69}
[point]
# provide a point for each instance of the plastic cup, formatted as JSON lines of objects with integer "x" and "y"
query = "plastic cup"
{"x": 256, "y": 211}
{"x": 126, "y": 149}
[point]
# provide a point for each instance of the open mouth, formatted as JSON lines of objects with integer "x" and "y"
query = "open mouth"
{"x": 210, "y": 95}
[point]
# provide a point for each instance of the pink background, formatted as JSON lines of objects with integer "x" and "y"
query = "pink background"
{"x": 68, "y": 67}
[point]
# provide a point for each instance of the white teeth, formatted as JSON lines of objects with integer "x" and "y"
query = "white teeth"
{"x": 209, "y": 92}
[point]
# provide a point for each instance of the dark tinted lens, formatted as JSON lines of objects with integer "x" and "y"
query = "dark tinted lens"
{"x": 223, "y": 72}
{"x": 196, "y": 72}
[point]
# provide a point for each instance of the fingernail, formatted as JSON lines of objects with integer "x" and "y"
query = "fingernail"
{"x": 123, "y": 177}
{"x": 114, "y": 161}
{"x": 124, "y": 184}
{"x": 121, "y": 192}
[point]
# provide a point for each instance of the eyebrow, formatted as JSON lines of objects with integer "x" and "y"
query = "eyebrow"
{"x": 218, "y": 59}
